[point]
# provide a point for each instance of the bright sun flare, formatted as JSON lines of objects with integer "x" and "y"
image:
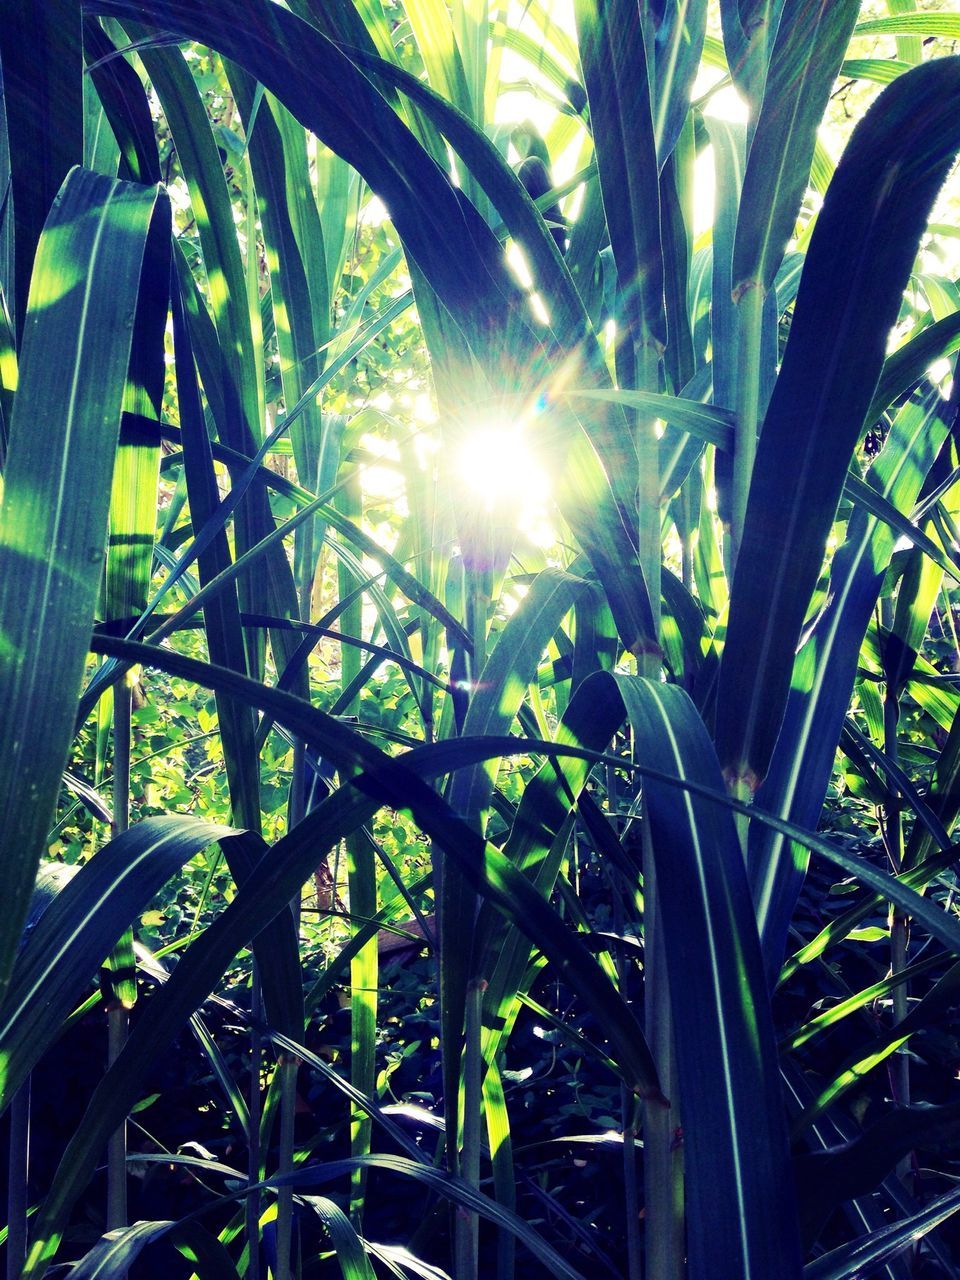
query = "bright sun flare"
{"x": 496, "y": 463}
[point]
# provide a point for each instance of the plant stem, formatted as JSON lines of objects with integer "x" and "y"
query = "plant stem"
{"x": 662, "y": 1151}
{"x": 117, "y": 1022}
{"x": 287, "y": 1066}
{"x": 467, "y": 1233}
{"x": 899, "y": 922}
{"x": 629, "y": 1112}
{"x": 118, "y": 1018}
{"x": 628, "y": 1109}
{"x": 18, "y": 1175}
{"x": 647, "y": 361}
{"x": 364, "y": 976}
{"x": 253, "y": 1201}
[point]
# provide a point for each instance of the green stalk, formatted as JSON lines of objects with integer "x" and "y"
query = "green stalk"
{"x": 647, "y": 359}
{"x": 362, "y": 888}
{"x": 117, "y": 1026}
{"x": 465, "y": 1116}
{"x": 476, "y": 602}
{"x": 662, "y": 1154}
{"x": 664, "y": 1244}
{"x": 628, "y": 1110}
{"x": 750, "y": 314}
{"x": 686, "y": 539}
{"x": 467, "y": 1235}
{"x": 118, "y": 1017}
{"x": 288, "y": 1067}
{"x": 18, "y": 1174}
{"x": 899, "y": 922}
{"x": 501, "y": 1158}
{"x": 253, "y": 1201}
{"x": 749, "y": 330}
{"x": 630, "y": 1113}
{"x": 364, "y": 975}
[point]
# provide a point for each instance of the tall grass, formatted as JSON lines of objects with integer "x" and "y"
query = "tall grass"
{"x": 214, "y": 342}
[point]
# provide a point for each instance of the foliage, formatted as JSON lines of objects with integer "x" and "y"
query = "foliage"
{"x": 480, "y": 735}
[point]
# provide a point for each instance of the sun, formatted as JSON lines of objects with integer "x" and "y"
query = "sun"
{"x": 496, "y": 464}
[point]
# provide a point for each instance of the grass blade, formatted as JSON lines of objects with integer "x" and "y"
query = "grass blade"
{"x": 57, "y": 486}
{"x": 825, "y": 669}
{"x": 78, "y": 929}
{"x": 43, "y": 106}
{"x": 859, "y": 260}
{"x": 740, "y": 1218}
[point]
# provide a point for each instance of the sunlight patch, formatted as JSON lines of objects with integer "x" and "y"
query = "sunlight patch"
{"x": 495, "y": 463}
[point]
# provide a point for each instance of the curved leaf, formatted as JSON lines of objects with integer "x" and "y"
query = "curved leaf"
{"x": 347, "y": 1245}
{"x": 741, "y": 1220}
{"x": 824, "y": 672}
{"x": 112, "y": 1257}
{"x": 80, "y": 926}
{"x": 857, "y": 265}
{"x": 868, "y": 1253}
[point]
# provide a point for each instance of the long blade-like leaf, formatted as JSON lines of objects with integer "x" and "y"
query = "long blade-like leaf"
{"x": 57, "y": 491}
{"x": 810, "y": 44}
{"x": 78, "y": 929}
{"x": 740, "y": 1220}
{"x": 857, "y": 266}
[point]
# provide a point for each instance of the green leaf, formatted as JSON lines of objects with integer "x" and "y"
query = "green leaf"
{"x": 78, "y": 929}
{"x": 909, "y": 47}
{"x": 879, "y": 70}
{"x": 113, "y": 1255}
{"x": 728, "y": 144}
{"x": 807, "y": 52}
{"x": 347, "y": 1245}
{"x": 857, "y": 266}
{"x": 910, "y": 362}
{"x": 825, "y": 1179}
{"x": 616, "y": 77}
{"x": 125, "y": 104}
{"x": 587, "y": 494}
{"x": 503, "y": 682}
{"x": 285, "y": 198}
{"x": 451, "y": 1188}
{"x": 316, "y": 82}
{"x": 501, "y": 687}
{"x": 537, "y": 840}
{"x": 221, "y": 615}
{"x": 43, "y": 110}
{"x": 678, "y": 44}
{"x": 825, "y": 669}
{"x": 702, "y": 420}
{"x": 740, "y": 1216}
{"x": 945, "y": 25}
{"x": 868, "y": 1253}
{"x": 434, "y": 1180}
{"x": 268, "y": 587}
{"x": 276, "y": 946}
{"x": 73, "y": 369}
{"x": 749, "y": 30}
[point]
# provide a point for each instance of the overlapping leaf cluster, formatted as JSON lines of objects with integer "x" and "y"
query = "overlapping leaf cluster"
{"x": 744, "y": 611}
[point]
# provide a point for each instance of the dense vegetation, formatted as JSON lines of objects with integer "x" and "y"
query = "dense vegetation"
{"x": 479, "y": 696}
